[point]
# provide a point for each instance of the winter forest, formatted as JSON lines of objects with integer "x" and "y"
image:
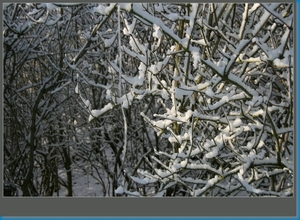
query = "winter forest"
{"x": 148, "y": 100}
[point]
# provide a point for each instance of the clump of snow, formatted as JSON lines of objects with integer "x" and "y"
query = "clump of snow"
{"x": 197, "y": 57}
{"x": 165, "y": 95}
{"x": 51, "y": 6}
{"x": 183, "y": 163}
{"x": 200, "y": 42}
{"x": 97, "y": 113}
{"x": 237, "y": 122}
{"x": 287, "y": 60}
{"x": 126, "y": 6}
{"x": 173, "y": 16}
{"x": 143, "y": 181}
{"x": 157, "y": 32}
{"x": 109, "y": 42}
{"x": 136, "y": 46}
{"x": 128, "y": 29}
{"x": 179, "y": 93}
{"x": 212, "y": 181}
{"x": 119, "y": 190}
{"x": 104, "y": 10}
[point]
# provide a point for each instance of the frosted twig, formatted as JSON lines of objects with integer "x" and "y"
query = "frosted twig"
{"x": 120, "y": 92}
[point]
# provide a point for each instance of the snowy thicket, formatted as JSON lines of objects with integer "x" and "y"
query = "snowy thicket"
{"x": 151, "y": 99}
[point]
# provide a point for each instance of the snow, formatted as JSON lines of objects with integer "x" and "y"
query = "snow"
{"x": 98, "y": 113}
{"x": 254, "y": 7}
{"x": 68, "y": 4}
{"x": 256, "y": 101}
{"x": 104, "y": 10}
{"x": 134, "y": 194}
{"x": 183, "y": 163}
{"x": 129, "y": 28}
{"x": 109, "y": 42}
{"x": 84, "y": 185}
{"x": 125, "y": 104}
{"x": 160, "y": 194}
{"x": 244, "y": 20}
{"x": 209, "y": 92}
{"x": 218, "y": 69}
{"x": 278, "y": 63}
{"x": 224, "y": 99}
{"x": 213, "y": 181}
{"x": 60, "y": 88}
{"x": 88, "y": 104}
{"x": 119, "y": 190}
{"x": 165, "y": 95}
{"x": 126, "y": 6}
{"x": 225, "y": 127}
{"x": 248, "y": 187}
{"x": 260, "y": 23}
{"x": 138, "y": 9}
{"x": 156, "y": 68}
{"x": 136, "y": 46}
{"x": 234, "y": 56}
{"x": 173, "y": 16}
{"x": 159, "y": 7}
{"x": 156, "y": 33}
{"x": 52, "y": 22}
{"x": 162, "y": 173}
{"x": 137, "y": 80}
{"x": 51, "y": 6}
{"x": 196, "y": 56}
{"x": 200, "y": 42}
{"x": 199, "y": 87}
{"x": 213, "y": 153}
{"x": 257, "y": 113}
{"x": 136, "y": 52}
{"x": 178, "y": 138}
{"x": 76, "y": 89}
{"x": 179, "y": 93}
{"x": 237, "y": 123}
{"x": 288, "y": 164}
{"x": 144, "y": 181}
{"x": 271, "y": 8}
{"x": 209, "y": 183}
{"x": 287, "y": 61}
{"x": 163, "y": 124}
{"x": 201, "y": 167}
{"x": 237, "y": 80}
{"x": 191, "y": 20}
{"x": 284, "y": 130}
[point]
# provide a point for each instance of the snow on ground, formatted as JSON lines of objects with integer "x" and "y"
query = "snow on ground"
{"x": 83, "y": 185}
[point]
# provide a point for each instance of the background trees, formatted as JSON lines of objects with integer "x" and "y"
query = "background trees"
{"x": 150, "y": 99}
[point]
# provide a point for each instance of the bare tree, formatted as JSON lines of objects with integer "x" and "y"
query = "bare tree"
{"x": 150, "y": 99}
